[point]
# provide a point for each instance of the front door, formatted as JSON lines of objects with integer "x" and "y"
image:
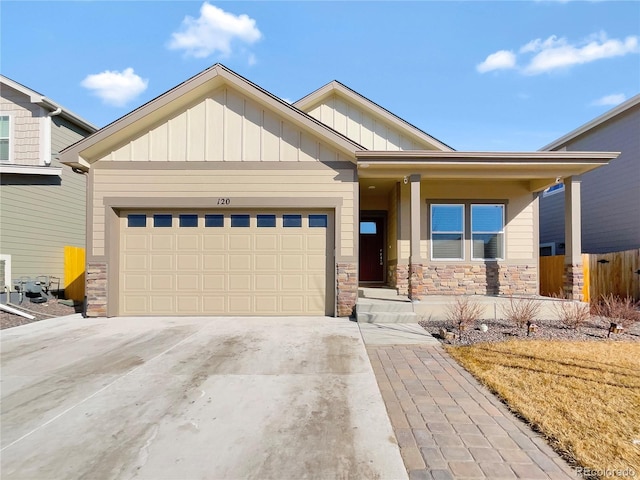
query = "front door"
{"x": 372, "y": 249}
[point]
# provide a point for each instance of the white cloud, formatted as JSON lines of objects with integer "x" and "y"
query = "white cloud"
{"x": 610, "y": 100}
{"x": 213, "y": 31}
{"x": 501, "y": 60}
{"x": 555, "y": 53}
{"x": 116, "y": 88}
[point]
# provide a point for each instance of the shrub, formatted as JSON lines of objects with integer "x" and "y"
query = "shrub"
{"x": 463, "y": 312}
{"x": 623, "y": 311}
{"x": 521, "y": 311}
{"x": 572, "y": 314}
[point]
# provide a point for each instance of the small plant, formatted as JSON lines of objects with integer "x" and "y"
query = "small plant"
{"x": 521, "y": 311}
{"x": 463, "y": 312}
{"x": 572, "y": 314}
{"x": 620, "y": 311}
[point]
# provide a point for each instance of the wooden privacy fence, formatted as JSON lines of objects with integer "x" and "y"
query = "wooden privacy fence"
{"x": 74, "y": 265}
{"x": 614, "y": 273}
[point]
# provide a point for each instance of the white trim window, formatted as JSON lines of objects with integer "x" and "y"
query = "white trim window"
{"x": 5, "y": 138}
{"x": 447, "y": 231}
{"x": 553, "y": 189}
{"x": 487, "y": 232}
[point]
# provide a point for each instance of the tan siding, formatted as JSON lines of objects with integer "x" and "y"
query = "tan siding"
{"x": 520, "y": 221}
{"x": 225, "y": 126}
{"x": 224, "y": 183}
{"x": 363, "y": 127}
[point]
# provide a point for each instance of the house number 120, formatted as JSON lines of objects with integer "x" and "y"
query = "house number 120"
{"x": 224, "y": 201}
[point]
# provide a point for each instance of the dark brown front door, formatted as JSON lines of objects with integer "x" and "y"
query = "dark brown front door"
{"x": 372, "y": 249}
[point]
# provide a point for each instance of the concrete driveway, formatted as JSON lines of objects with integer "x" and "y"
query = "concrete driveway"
{"x": 192, "y": 398}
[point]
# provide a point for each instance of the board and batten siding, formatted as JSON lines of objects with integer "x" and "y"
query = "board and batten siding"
{"x": 43, "y": 214}
{"x": 364, "y": 128}
{"x": 25, "y": 124}
{"x": 225, "y": 126}
{"x": 610, "y": 194}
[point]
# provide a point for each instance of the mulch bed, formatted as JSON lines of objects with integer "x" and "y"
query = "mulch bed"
{"x": 500, "y": 330}
{"x": 41, "y": 311}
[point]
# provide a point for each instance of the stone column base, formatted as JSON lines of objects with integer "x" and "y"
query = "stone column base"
{"x": 96, "y": 289}
{"x": 399, "y": 278}
{"x": 346, "y": 288}
{"x": 415, "y": 281}
{"x": 573, "y": 282}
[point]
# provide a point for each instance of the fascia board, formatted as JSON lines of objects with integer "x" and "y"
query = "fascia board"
{"x": 593, "y": 124}
{"x": 335, "y": 87}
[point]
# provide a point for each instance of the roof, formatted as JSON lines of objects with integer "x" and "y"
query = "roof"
{"x": 335, "y": 86}
{"x": 82, "y": 153}
{"x": 595, "y": 123}
{"x": 39, "y": 99}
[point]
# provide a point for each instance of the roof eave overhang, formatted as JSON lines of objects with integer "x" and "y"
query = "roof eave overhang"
{"x": 539, "y": 169}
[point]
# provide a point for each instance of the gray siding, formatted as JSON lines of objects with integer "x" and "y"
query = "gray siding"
{"x": 610, "y": 194}
{"x": 42, "y": 214}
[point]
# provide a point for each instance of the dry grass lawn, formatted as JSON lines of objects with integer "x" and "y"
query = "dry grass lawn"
{"x": 583, "y": 396}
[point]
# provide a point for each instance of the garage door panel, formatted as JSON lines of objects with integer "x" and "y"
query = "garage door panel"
{"x": 266, "y": 242}
{"x": 241, "y": 242}
{"x": 134, "y": 261}
{"x": 214, "y": 262}
{"x": 161, "y": 282}
{"x": 212, "y": 242}
{"x": 160, "y": 242}
{"x": 137, "y": 242}
{"x": 161, "y": 304}
{"x": 188, "y": 282}
{"x": 188, "y": 262}
{"x": 188, "y": 242}
{"x": 220, "y": 269}
{"x": 162, "y": 262}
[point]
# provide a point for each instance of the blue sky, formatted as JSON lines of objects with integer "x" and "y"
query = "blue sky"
{"x": 476, "y": 75}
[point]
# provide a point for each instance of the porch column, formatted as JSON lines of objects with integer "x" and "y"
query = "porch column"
{"x": 415, "y": 261}
{"x": 573, "y": 278}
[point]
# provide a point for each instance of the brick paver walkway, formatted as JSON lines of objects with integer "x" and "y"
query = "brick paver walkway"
{"x": 449, "y": 426}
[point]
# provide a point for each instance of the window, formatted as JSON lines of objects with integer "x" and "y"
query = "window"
{"x": 214, "y": 220}
{"x": 487, "y": 232}
{"x": 188, "y": 220}
{"x": 447, "y": 232}
{"x": 136, "y": 221}
{"x": 368, "y": 228}
{"x": 291, "y": 221}
{"x": 162, "y": 220}
{"x": 318, "y": 221}
{"x": 266, "y": 220}
{"x": 239, "y": 220}
{"x": 4, "y": 138}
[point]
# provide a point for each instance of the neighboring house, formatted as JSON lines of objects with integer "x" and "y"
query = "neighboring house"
{"x": 42, "y": 202}
{"x": 218, "y": 197}
{"x": 610, "y": 195}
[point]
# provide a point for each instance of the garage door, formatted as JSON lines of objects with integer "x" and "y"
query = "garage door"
{"x": 239, "y": 263}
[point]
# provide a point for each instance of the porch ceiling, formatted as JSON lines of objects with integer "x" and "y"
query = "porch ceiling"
{"x": 540, "y": 169}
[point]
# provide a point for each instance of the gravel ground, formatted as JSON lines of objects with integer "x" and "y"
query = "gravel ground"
{"x": 499, "y": 330}
{"x": 41, "y": 311}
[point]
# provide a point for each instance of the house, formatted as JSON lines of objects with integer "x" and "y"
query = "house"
{"x": 610, "y": 195}
{"x": 219, "y": 198}
{"x": 42, "y": 202}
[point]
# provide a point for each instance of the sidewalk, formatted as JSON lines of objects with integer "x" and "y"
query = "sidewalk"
{"x": 448, "y": 426}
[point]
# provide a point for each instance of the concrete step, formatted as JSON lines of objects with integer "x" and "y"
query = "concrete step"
{"x": 386, "y": 317}
{"x": 375, "y": 305}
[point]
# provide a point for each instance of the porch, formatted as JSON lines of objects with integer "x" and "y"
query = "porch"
{"x": 434, "y": 225}
{"x": 385, "y": 305}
